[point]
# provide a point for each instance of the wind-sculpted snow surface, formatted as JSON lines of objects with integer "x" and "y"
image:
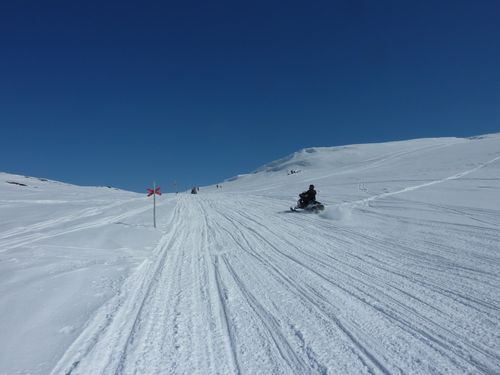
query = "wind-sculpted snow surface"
{"x": 400, "y": 273}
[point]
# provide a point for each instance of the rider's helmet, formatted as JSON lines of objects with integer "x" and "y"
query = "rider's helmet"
{"x": 311, "y": 187}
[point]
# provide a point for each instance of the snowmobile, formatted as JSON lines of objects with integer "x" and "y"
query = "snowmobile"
{"x": 313, "y": 206}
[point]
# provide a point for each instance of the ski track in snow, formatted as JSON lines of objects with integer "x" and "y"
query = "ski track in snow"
{"x": 230, "y": 290}
{"x": 23, "y": 236}
{"x": 412, "y": 188}
{"x": 47, "y": 224}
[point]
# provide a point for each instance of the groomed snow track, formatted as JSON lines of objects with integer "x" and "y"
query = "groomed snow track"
{"x": 236, "y": 285}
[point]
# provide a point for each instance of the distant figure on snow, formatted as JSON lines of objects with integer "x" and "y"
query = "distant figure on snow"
{"x": 194, "y": 191}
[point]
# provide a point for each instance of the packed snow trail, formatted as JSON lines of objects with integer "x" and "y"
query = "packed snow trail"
{"x": 238, "y": 285}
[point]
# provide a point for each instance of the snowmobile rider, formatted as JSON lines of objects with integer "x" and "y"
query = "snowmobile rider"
{"x": 307, "y": 197}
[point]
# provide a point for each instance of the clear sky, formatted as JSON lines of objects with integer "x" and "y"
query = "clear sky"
{"x": 120, "y": 92}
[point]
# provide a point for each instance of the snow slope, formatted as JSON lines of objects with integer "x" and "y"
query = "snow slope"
{"x": 400, "y": 274}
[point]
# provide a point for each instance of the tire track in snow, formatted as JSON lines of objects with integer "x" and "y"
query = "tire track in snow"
{"x": 304, "y": 293}
{"x": 385, "y": 246}
{"x": 273, "y": 328}
{"x": 460, "y": 340}
{"x": 159, "y": 314}
{"x": 215, "y": 280}
{"x": 418, "y": 256}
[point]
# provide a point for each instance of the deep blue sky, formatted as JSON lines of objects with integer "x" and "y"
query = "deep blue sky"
{"x": 121, "y": 93}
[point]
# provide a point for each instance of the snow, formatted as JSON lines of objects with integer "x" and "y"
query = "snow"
{"x": 399, "y": 274}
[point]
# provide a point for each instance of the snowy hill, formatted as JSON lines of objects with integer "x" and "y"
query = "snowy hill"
{"x": 400, "y": 273}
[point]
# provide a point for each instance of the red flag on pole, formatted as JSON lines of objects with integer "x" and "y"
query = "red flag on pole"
{"x": 154, "y": 191}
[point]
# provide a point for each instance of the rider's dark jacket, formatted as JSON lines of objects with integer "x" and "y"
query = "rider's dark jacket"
{"x": 308, "y": 196}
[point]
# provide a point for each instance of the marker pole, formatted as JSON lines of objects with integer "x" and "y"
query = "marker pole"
{"x": 154, "y": 204}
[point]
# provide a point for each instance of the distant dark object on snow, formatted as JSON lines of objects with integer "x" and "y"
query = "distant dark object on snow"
{"x": 39, "y": 179}
{"x": 16, "y": 183}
